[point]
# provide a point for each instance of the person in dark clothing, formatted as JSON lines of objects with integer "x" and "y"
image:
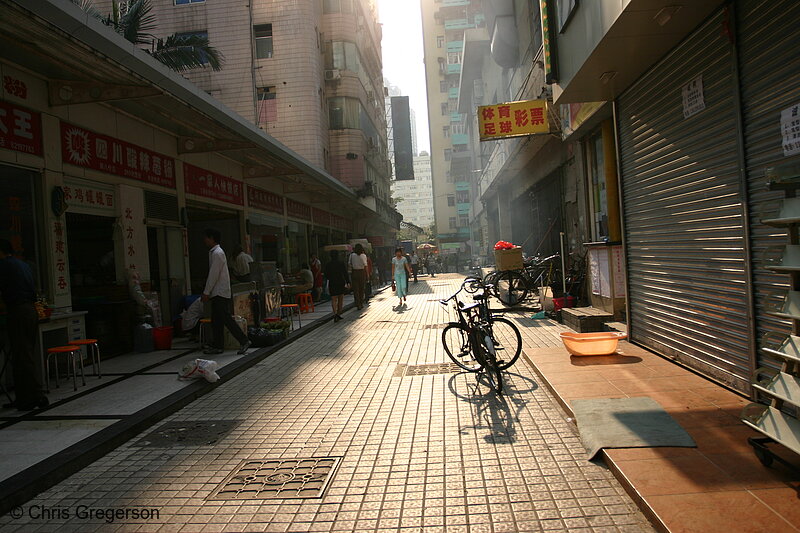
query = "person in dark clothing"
{"x": 19, "y": 296}
{"x": 338, "y": 281}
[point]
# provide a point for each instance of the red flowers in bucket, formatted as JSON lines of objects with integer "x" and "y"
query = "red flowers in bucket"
{"x": 503, "y": 245}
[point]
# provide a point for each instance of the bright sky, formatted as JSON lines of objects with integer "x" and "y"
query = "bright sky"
{"x": 403, "y": 54}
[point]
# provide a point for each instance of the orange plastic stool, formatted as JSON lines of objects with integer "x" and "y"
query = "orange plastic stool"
{"x": 292, "y": 309}
{"x": 74, "y": 353}
{"x": 203, "y": 322}
{"x": 93, "y": 350}
{"x": 306, "y": 302}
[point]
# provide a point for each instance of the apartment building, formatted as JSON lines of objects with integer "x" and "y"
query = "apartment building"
{"x": 415, "y": 197}
{"x": 307, "y": 72}
{"x": 443, "y": 26}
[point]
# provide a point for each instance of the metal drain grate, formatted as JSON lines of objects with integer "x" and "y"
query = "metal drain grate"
{"x": 434, "y": 326}
{"x": 271, "y": 479}
{"x": 187, "y": 433}
{"x": 425, "y": 370}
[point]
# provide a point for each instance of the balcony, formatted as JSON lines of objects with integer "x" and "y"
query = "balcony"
{"x": 462, "y": 185}
{"x": 456, "y": 117}
{"x": 455, "y": 46}
{"x": 452, "y": 92}
{"x": 454, "y": 68}
{"x": 458, "y": 24}
{"x": 462, "y": 209}
{"x": 459, "y": 138}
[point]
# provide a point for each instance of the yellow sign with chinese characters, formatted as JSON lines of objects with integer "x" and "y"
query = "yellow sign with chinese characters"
{"x": 513, "y": 119}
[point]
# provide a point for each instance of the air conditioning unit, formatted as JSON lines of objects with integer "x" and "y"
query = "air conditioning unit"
{"x": 333, "y": 74}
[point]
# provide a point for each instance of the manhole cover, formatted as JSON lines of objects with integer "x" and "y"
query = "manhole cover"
{"x": 425, "y": 370}
{"x": 271, "y": 479}
{"x": 187, "y": 433}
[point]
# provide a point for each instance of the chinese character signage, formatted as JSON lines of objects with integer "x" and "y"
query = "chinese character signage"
{"x": 790, "y": 129}
{"x": 261, "y": 199}
{"x": 212, "y": 185}
{"x": 693, "y": 100}
{"x": 20, "y": 129}
{"x": 338, "y": 222}
{"x": 58, "y": 238}
{"x": 548, "y": 43}
{"x": 90, "y": 197}
{"x": 514, "y": 119}
{"x": 87, "y": 149}
{"x": 134, "y": 232}
{"x": 298, "y": 210}
{"x": 321, "y": 217}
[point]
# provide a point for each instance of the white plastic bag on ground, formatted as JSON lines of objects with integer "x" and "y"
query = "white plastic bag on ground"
{"x": 200, "y": 368}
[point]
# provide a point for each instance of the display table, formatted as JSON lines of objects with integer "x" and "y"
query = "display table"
{"x": 58, "y": 331}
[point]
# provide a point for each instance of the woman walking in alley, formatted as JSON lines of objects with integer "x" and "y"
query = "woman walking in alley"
{"x": 400, "y": 273}
{"x": 338, "y": 281}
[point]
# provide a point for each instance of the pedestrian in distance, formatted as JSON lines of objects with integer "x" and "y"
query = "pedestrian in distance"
{"x": 414, "y": 265}
{"x": 338, "y": 282}
{"x": 316, "y": 269}
{"x": 400, "y": 273}
{"x": 218, "y": 291}
{"x": 241, "y": 264}
{"x": 19, "y": 296}
{"x": 358, "y": 264}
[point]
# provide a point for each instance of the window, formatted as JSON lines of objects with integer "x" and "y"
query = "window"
{"x": 462, "y": 197}
{"x": 202, "y": 35}
{"x": 448, "y": 153}
{"x": 453, "y": 58}
{"x": 267, "y": 105}
{"x": 439, "y": 41}
{"x": 463, "y": 221}
{"x": 446, "y": 132}
{"x": 445, "y": 109}
{"x": 451, "y": 200}
{"x": 453, "y": 223}
{"x": 443, "y": 87}
{"x": 457, "y": 128}
{"x": 263, "y": 36}
{"x": 337, "y": 6}
{"x": 183, "y": 2}
{"x": 597, "y": 185}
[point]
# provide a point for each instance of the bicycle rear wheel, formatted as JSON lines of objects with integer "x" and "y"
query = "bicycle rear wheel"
{"x": 507, "y": 342}
{"x": 455, "y": 339}
{"x": 488, "y": 358}
{"x": 510, "y": 287}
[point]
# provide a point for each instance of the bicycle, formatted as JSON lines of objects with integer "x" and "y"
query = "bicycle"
{"x": 474, "y": 341}
{"x": 512, "y": 286}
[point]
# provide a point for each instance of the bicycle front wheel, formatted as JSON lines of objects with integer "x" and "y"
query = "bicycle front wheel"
{"x": 510, "y": 287}
{"x": 455, "y": 339}
{"x": 489, "y": 361}
{"x": 507, "y": 342}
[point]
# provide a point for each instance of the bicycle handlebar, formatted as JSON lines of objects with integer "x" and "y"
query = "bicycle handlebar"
{"x": 463, "y": 285}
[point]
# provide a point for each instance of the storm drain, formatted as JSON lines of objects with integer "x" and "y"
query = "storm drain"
{"x": 425, "y": 370}
{"x": 434, "y": 326}
{"x": 187, "y": 433}
{"x": 271, "y": 479}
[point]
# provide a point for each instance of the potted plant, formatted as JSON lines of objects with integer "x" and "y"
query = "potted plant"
{"x": 279, "y": 330}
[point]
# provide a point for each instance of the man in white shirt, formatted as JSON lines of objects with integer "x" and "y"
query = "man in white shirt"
{"x": 241, "y": 264}
{"x": 218, "y": 290}
{"x": 414, "y": 264}
{"x": 358, "y": 269}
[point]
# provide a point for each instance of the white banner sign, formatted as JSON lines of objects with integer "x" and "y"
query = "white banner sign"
{"x": 790, "y": 129}
{"x": 693, "y": 99}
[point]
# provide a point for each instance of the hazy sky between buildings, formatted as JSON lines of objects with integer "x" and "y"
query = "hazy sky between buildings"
{"x": 403, "y": 55}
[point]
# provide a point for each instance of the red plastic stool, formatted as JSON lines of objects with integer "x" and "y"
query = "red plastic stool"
{"x": 93, "y": 350}
{"x": 292, "y": 310}
{"x": 74, "y": 353}
{"x": 306, "y": 302}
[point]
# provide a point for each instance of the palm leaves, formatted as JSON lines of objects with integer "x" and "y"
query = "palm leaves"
{"x": 179, "y": 52}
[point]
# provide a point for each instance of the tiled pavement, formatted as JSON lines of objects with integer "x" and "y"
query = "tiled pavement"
{"x": 435, "y": 452}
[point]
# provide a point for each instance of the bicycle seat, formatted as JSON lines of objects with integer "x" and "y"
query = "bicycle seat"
{"x": 478, "y": 297}
{"x": 469, "y": 306}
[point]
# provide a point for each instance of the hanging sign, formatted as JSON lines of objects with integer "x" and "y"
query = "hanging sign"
{"x": 20, "y": 129}
{"x": 212, "y": 185}
{"x": 548, "y": 43}
{"x": 321, "y": 217}
{"x": 513, "y": 119}
{"x": 261, "y": 199}
{"x": 298, "y": 210}
{"x": 61, "y": 272}
{"x": 89, "y": 197}
{"x": 134, "y": 232}
{"x": 790, "y": 129}
{"x": 693, "y": 99}
{"x": 84, "y": 148}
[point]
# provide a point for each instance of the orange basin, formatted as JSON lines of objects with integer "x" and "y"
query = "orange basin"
{"x": 600, "y": 343}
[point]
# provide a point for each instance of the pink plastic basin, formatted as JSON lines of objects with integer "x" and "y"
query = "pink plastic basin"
{"x": 600, "y": 343}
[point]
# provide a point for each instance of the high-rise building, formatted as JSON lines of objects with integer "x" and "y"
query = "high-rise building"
{"x": 415, "y": 197}
{"x": 443, "y": 27}
{"x": 309, "y": 73}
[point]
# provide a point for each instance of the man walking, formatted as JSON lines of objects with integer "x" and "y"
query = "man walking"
{"x": 414, "y": 264}
{"x": 19, "y": 295}
{"x": 358, "y": 269}
{"x": 218, "y": 290}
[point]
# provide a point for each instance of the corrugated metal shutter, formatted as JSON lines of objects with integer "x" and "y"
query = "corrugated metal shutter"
{"x": 683, "y": 211}
{"x": 161, "y": 206}
{"x": 769, "y": 58}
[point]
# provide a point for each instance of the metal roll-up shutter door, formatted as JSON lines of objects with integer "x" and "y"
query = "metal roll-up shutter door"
{"x": 769, "y": 59}
{"x": 683, "y": 211}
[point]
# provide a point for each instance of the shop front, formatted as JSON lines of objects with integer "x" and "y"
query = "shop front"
{"x": 266, "y": 223}
{"x": 297, "y": 235}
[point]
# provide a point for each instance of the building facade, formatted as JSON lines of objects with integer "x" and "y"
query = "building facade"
{"x": 308, "y": 73}
{"x": 414, "y": 198}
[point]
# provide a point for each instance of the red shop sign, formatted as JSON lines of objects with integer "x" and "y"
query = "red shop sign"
{"x": 261, "y": 199}
{"x": 20, "y": 129}
{"x": 298, "y": 210}
{"x": 321, "y": 217}
{"x": 88, "y": 149}
{"x": 212, "y": 185}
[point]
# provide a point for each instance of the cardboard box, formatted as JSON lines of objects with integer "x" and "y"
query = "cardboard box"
{"x": 508, "y": 259}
